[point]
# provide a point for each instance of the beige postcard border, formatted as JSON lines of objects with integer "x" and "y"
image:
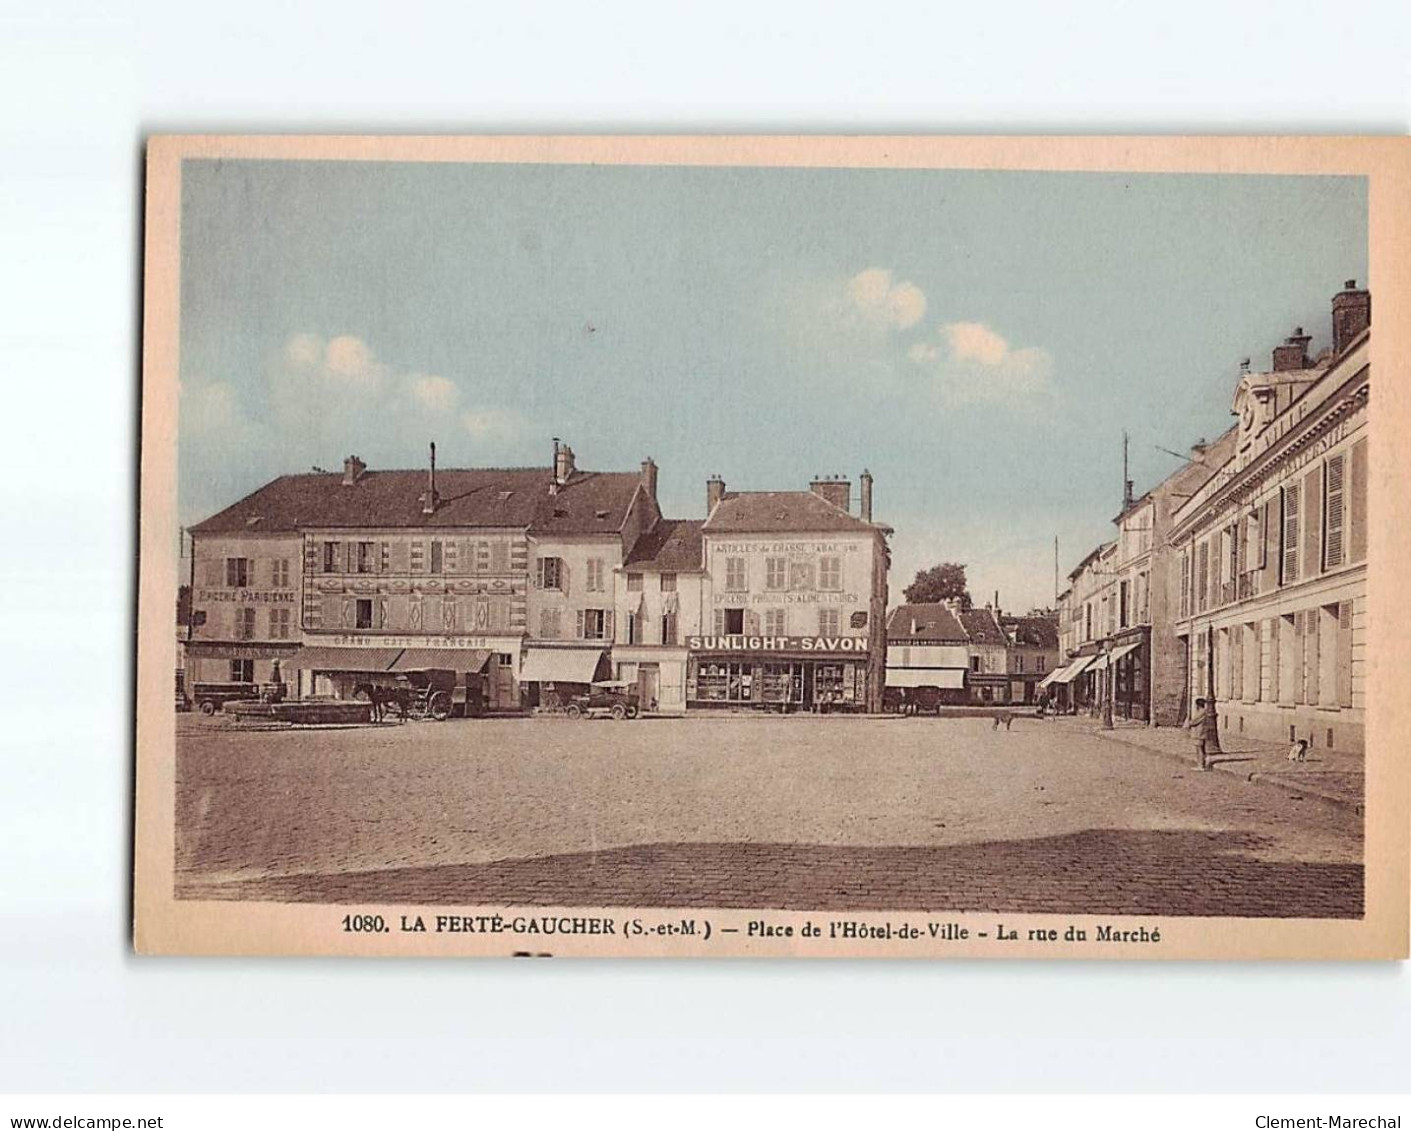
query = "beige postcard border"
{"x": 164, "y": 925}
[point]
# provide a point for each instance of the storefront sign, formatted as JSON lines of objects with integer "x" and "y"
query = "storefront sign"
{"x": 785, "y": 547}
{"x": 247, "y": 596}
{"x": 214, "y": 650}
{"x": 783, "y": 597}
{"x": 777, "y": 643}
{"x": 358, "y": 640}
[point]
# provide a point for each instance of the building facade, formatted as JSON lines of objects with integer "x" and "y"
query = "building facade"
{"x": 1271, "y": 603}
{"x": 793, "y": 601}
{"x": 928, "y": 657}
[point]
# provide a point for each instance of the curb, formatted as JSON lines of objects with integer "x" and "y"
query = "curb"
{"x": 1257, "y": 777}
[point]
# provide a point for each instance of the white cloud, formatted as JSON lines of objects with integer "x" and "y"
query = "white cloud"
{"x": 884, "y": 303}
{"x": 436, "y": 393}
{"x": 493, "y": 424}
{"x": 969, "y": 361}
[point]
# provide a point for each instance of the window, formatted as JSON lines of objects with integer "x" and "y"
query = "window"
{"x": 245, "y": 624}
{"x": 279, "y": 624}
{"x": 776, "y": 573}
{"x": 1019, "y": 664}
{"x": 242, "y": 671}
{"x": 668, "y": 628}
{"x": 735, "y": 575}
{"x": 548, "y": 573}
{"x": 732, "y": 621}
{"x": 1126, "y": 600}
{"x": 1185, "y": 584}
{"x": 364, "y": 613}
{"x": 330, "y": 557}
{"x": 594, "y": 624}
{"x": 774, "y": 622}
{"x": 634, "y": 583}
{"x": 830, "y": 573}
{"x": 1288, "y": 572}
{"x": 974, "y": 663}
{"x": 438, "y": 557}
{"x": 668, "y": 583}
{"x": 1333, "y": 478}
{"x": 366, "y": 550}
{"x": 279, "y": 573}
{"x": 237, "y": 572}
{"x": 725, "y": 682}
{"x": 1202, "y": 579}
{"x": 829, "y": 622}
{"x": 634, "y": 628}
{"x": 595, "y": 575}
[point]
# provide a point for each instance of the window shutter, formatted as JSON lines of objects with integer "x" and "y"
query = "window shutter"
{"x": 1269, "y": 551}
{"x": 1274, "y": 660}
{"x": 1358, "y": 502}
{"x": 1310, "y": 651}
{"x": 384, "y": 558}
{"x": 1344, "y": 654}
{"x": 582, "y": 633}
{"x": 1333, "y": 511}
{"x": 608, "y": 633}
{"x": 1290, "y": 551}
{"x": 1241, "y": 533}
{"x": 538, "y": 573}
{"x": 752, "y": 622}
{"x": 719, "y": 622}
{"x": 1237, "y": 662}
{"x": 563, "y": 576}
{"x": 1312, "y": 520}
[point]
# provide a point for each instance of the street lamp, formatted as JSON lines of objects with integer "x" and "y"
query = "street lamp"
{"x": 1108, "y": 686}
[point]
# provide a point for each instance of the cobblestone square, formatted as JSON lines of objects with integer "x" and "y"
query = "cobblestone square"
{"x": 791, "y": 813}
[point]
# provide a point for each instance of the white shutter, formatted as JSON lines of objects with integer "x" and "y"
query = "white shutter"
{"x": 1290, "y": 570}
{"x": 1333, "y": 511}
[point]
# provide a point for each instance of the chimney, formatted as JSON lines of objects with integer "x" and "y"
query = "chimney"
{"x": 915, "y": 626}
{"x": 1293, "y": 354}
{"x": 864, "y": 495}
{"x": 1352, "y": 313}
{"x": 835, "y": 489}
{"x": 353, "y": 469}
{"x": 649, "y": 478}
{"x": 429, "y": 500}
{"x": 563, "y": 463}
{"x": 715, "y": 491}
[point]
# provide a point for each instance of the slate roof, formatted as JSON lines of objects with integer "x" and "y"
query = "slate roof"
{"x": 673, "y": 546}
{"x": 982, "y": 628}
{"x": 769, "y": 512}
{"x": 933, "y": 622}
{"x": 1033, "y": 632}
{"x": 480, "y": 497}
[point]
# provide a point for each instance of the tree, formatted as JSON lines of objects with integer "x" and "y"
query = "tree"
{"x": 943, "y": 582}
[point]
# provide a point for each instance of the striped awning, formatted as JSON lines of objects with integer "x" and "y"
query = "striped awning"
{"x": 317, "y": 658}
{"x": 945, "y": 678}
{"x": 1124, "y": 651}
{"x": 446, "y": 659}
{"x": 1073, "y": 670}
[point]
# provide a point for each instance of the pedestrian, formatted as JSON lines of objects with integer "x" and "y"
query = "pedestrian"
{"x": 1199, "y": 726}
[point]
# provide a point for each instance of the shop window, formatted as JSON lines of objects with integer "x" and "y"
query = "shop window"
{"x": 438, "y": 557}
{"x": 829, "y": 621}
{"x": 774, "y": 622}
{"x": 366, "y": 556}
{"x": 237, "y": 573}
{"x": 330, "y": 557}
{"x": 830, "y": 573}
{"x": 668, "y": 583}
{"x": 363, "y": 613}
{"x": 242, "y": 671}
{"x": 549, "y": 573}
{"x": 634, "y": 583}
{"x": 735, "y": 580}
{"x": 595, "y": 575}
{"x": 776, "y": 573}
{"x": 725, "y": 682}
{"x": 781, "y": 683}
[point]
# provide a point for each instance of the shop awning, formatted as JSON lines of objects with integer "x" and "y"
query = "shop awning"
{"x": 559, "y": 665}
{"x": 1052, "y": 677}
{"x": 318, "y": 658}
{"x": 447, "y": 659}
{"x": 1073, "y": 670}
{"x": 1099, "y": 663}
{"x": 945, "y": 678}
{"x": 1124, "y": 651}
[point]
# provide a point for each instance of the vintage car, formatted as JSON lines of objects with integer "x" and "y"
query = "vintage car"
{"x": 212, "y": 697}
{"x": 614, "y": 698}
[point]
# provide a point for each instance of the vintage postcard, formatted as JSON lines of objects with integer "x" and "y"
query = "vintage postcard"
{"x": 805, "y": 546}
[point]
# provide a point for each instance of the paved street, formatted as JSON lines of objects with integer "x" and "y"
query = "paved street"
{"x": 831, "y": 813}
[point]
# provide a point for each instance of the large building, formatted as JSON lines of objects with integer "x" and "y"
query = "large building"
{"x": 1271, "y": 604}
{"x": 793, "y": 602}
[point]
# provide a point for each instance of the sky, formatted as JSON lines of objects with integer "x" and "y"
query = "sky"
{"x": 978, "y": 340}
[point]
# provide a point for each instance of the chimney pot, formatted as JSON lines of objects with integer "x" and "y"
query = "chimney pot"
{"x": 864, "y": 495}
{"x": 1352, "y": 313}
{"x": 835, "y": 489}
{"x": 429, "y": 500}
{"x": 649, "y": 477}
{"x": 353, "y": 468}
{"x": 715, "y": 491}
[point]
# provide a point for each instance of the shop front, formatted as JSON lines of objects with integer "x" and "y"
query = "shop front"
{"x": 553, "y": 674}
{"x": 257, "y": 664}
{"x": 778, "y": 673}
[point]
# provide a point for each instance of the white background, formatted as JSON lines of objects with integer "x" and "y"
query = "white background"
{"x": 80, "y": 84}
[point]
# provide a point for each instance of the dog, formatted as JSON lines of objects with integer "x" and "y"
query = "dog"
{"x": 1298, "y": 752}
{"x": 1003, "y": 717}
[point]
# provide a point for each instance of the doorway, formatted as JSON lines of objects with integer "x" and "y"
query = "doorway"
{"x": 648, "y": 686}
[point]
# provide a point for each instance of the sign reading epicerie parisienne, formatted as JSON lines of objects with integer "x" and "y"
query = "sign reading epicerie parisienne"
{"x": 777, "y": 643}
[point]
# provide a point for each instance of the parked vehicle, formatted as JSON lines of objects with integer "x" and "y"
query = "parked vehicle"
{"x": 212, "y": 697}
{"x": 614, "y": 698}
